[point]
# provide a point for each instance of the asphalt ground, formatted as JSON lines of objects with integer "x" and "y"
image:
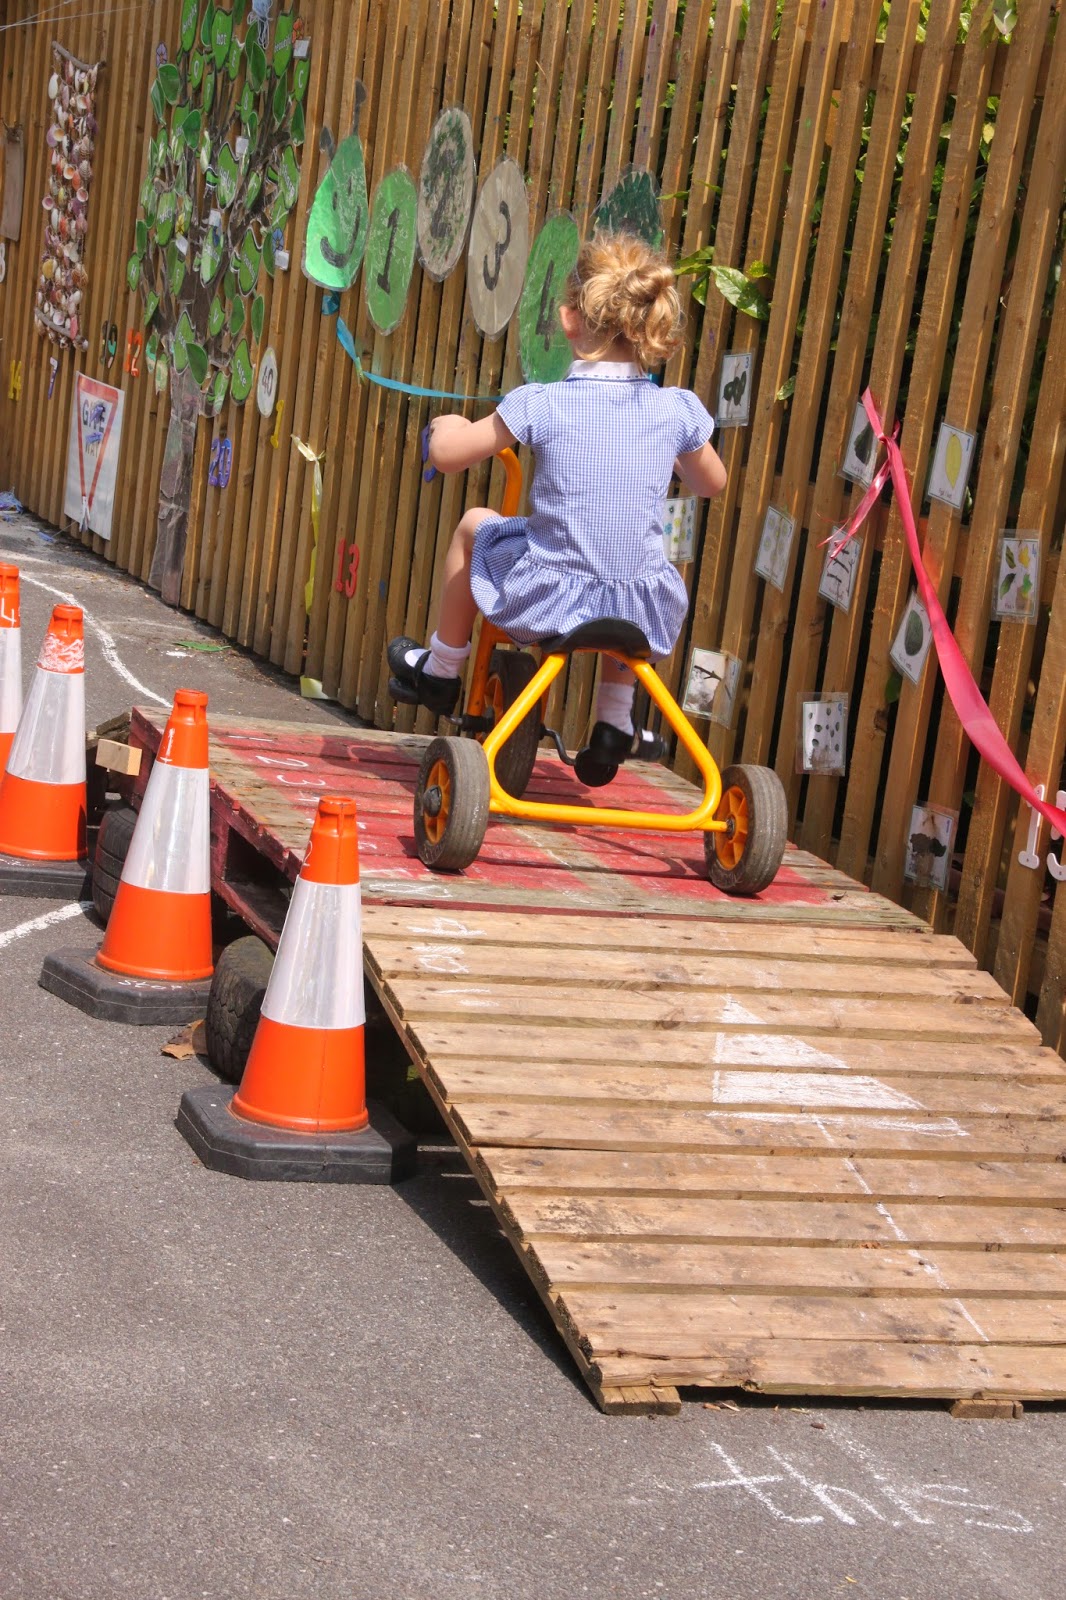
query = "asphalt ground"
{"x": 211, "y": 1388}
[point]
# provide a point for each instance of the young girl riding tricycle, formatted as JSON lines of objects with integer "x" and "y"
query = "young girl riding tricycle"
{"x": 586, "y": 569}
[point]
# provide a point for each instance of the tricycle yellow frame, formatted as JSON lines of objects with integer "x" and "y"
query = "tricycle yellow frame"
{"x": 702, "y": 818}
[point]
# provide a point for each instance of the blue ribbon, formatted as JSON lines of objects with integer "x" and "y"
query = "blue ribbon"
{"x": 347, "y": 343}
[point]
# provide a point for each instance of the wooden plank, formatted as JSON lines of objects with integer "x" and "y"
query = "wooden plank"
{"x": 691, "y": 1327}
{"x": 692, "y": 970}
{"x": 889, "y": 1369}
{"x": 784, "y": 1175}
{"x": 675, "y": 1219}
{"x": 766, "y": 1013}
{"x": 582, "y": 1127}
{"x": 741, "y": 1089}
{"x": 693, "y": 1048}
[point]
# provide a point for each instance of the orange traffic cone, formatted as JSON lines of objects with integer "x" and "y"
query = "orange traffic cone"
{"x": 306, "y": 1068}
{"x": 160, "y": 925}
{"x": 159, "y": 930}
{"x": 42, "y": 792}
{"x": 10, "y": 660}
{"x": 300, "y": 1112}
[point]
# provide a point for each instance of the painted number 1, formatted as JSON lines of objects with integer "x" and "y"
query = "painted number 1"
{"x": 392, "y": 222}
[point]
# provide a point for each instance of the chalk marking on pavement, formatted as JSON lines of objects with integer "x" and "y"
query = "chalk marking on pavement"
{"x": 107, "y": 643}
{"x": 46, "y": 920}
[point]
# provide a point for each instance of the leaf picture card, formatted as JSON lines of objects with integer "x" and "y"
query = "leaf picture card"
{"x": 928, "y": 859}
{"x": 734, "y": 389}
{"x": 711, "y": 686}
{"x": 822, "y": 742}
{"x": 952, "y": 460}
{"x": 912, "y": 641}
{"x": 860, "y": 457}
{"x": 837, "y": 583}
{"x": 775, "y": 546}
{"x": 1016, "y": 595}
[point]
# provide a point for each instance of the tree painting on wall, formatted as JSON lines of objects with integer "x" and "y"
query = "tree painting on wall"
{"x": 220, "y": 185}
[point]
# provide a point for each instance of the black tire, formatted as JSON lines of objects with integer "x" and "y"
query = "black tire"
{"x": 509, "y": 673}
{"x": 451, "y": 804}
{"x": 234, "y": 1004}
{"x": 112, "y": 847}
{"x": 755, "y": 798}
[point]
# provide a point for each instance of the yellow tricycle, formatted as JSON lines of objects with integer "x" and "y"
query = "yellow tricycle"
{"x": 462, "y": 782}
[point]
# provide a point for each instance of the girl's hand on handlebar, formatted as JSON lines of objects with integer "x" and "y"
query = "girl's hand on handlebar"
{"x": 431, "y": 472}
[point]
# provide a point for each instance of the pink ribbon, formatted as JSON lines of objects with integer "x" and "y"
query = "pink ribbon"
{"x": 977, "y": 721}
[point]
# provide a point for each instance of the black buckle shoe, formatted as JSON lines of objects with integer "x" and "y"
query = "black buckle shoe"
{"x": 608, "y": 747}
{"x": 414, "y": 686}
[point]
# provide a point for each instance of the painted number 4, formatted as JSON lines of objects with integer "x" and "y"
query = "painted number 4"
{"x": 1029, "y": 857}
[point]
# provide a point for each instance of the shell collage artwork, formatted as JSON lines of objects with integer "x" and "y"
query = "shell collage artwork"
{"x": 71, "y": 141}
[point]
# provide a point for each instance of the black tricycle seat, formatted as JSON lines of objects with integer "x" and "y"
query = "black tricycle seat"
{"x": 606, "y": 633}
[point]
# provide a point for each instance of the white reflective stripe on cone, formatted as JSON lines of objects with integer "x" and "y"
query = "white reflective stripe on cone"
{"x": 49, "y": 746}
{"x": 171, "y": 845}
{"x": 317, "y": 977}
{"x": 10, "y": 679}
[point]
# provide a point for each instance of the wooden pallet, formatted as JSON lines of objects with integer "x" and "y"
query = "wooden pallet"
{"x": 798, "y": 1144}
{"x": 794, "y": 1160}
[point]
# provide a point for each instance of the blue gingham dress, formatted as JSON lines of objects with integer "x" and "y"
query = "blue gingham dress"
{"x": 604, "y": 443}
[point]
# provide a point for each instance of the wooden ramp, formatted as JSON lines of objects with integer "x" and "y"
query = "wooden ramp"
{"x": 797, "y": 1144}
{"x": 789, "y": 1159}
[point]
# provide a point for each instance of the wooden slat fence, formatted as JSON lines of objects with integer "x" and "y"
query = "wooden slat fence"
{"x": 902, "y": 176}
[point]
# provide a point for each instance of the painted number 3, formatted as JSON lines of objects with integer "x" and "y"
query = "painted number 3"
{"x": 347, "y": 568}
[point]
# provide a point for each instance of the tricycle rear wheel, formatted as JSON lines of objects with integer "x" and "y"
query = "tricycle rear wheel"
{"x": 509, "y": 673}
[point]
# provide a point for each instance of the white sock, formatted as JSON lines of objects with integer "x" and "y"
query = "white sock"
{"x": 614, "y": 704}
{"x": 445, "y": 660}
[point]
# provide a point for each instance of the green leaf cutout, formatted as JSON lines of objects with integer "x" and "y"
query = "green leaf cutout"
{"x": 140, "y": 236}
{"x": 183, "y": 338}
{"x": 216, "y": 318}
{"x": 301, "y": 77}
{"x": 236, "y": 318}
{"x": 197, "y": 362}
{"x": 243, "y": 374}
{"x": 209, "y": 90}
{"x": 281, "y": 98}
{"x": 175, "y": 270}
{"x": 296, "y": 124}
{"x": 170, "y": 82}
{"x": 257, "y": 63}
{"x": 282, "y": 43}
{"x": 258, "y": 315}
{"x": 189, "y": 13}
{"x": 191, "y": 129}
{"x": 133, "y": 271}
{"x": 229, "y": 176}
{"x": 159, "y": 105}
{"x": 221, "y": 34}
{"x": 151, "y": 306}
{"x": 164, "y": 225}
{"x": 249, "y": 263}
{"x": 205, "y": 27}
{"x": 196, "y": 70}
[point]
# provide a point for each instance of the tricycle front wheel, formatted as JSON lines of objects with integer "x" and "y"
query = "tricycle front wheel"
{"x": 746, "y": 858}
{"x": 451, "y": 804}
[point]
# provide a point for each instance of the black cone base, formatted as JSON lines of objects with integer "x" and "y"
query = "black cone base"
{"x": 45, "y": 880}
{"x": 109, "y": 996}
{"x": 381, "y": 1153}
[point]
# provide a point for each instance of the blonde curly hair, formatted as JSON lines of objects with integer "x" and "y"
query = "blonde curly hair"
{"x": 622, "y": 288}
